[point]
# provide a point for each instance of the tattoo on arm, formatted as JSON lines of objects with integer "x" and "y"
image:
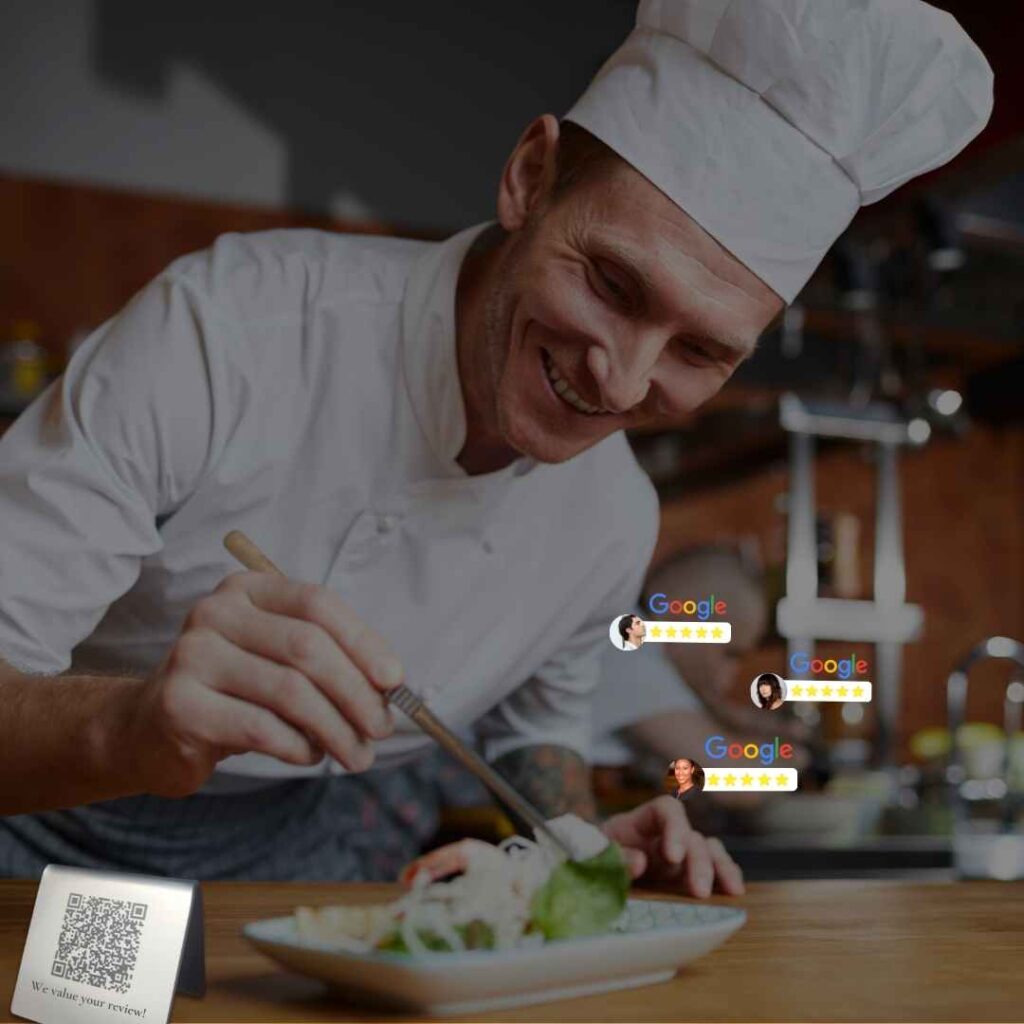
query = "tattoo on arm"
{"x": 554, "y": 779}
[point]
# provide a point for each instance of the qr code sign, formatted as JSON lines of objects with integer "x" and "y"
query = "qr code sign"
{"x": 99, "y": 941}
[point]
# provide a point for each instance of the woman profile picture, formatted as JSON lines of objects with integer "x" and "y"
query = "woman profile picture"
{"x": 627, "y": 632}
{"x": 767, "y": 691}
{"x": 688, "y": 775}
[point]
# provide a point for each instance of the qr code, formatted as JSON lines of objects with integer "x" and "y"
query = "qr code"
{"x": 99, "y": 941}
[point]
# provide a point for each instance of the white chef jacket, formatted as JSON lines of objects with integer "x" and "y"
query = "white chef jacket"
{"x": 302, "y": 386}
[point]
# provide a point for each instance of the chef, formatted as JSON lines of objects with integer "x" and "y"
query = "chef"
{"x": 428, "y": 439}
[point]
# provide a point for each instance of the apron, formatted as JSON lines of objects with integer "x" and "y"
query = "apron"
{"x": 329, "y": 828}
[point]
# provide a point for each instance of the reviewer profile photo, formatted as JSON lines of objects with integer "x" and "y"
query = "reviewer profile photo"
{"x": 687, "y": 777}
{"x": 768, "y": 691}
{"x": 627, "y": 632}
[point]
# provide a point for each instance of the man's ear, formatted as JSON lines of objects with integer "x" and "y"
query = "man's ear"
{"x": 529, "y": 173}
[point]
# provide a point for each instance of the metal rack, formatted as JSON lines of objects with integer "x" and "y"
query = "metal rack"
{"x": 887, "y": 621}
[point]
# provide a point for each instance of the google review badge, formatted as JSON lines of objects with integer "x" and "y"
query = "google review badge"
{"x": 769, "y": 691}
{"x": 629, "y": 632}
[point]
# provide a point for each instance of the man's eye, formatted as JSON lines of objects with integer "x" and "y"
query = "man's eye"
{"x": 611, "y": 286}
{"x": 697, "y": 354}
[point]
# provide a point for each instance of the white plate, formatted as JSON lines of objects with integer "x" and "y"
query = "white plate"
{"x": 657, "y": 938}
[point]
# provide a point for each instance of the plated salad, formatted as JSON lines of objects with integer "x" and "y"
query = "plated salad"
{"x": 473, "y": 895}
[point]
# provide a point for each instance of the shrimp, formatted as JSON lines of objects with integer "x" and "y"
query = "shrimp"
{"x": 453, "y": 859}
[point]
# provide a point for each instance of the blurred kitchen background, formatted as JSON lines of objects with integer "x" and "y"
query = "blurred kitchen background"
{"x": 870, "y": 457}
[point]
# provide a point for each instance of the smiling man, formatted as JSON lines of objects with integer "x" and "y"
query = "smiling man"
{"x": 430, "y": 436}
{"x": 607, "y": 306}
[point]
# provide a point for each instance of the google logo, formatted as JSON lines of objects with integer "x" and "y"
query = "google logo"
{"x": 703, "y": 608}
{"x": 717, "y": 750}
{"x": 843, "y": 668}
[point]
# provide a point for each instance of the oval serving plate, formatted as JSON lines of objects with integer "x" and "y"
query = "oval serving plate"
{"x": 650, "y": 943}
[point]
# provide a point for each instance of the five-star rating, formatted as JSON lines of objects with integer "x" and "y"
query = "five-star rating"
{"x": 750, "y": 780}
{"x": 696, "y": 632}
{"x": 856, "y": 691}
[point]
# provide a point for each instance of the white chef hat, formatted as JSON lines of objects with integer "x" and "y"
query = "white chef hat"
{"x": 770, "y": 122}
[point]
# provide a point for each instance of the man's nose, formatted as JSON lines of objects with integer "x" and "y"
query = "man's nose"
{"x": 623, "y": 369}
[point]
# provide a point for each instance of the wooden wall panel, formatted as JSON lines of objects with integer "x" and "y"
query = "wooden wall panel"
{"x": 72, "y": 255}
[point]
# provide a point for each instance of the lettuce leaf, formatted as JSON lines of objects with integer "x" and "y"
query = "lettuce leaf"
{"x": 582, "y": 897}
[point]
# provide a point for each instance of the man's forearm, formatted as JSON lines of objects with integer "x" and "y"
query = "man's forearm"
{"x": 554, "y": 779}
{"x": 65, "y": 740}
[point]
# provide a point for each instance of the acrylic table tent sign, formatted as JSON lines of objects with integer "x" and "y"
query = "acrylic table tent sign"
{"x": 108, "y": 947}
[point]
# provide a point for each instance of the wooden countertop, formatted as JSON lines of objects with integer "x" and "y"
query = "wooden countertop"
{"x": 811, "y": 950}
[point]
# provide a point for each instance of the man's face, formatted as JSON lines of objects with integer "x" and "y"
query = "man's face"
{"x": 637, "y": 631}
{"x": 613, "y": 310}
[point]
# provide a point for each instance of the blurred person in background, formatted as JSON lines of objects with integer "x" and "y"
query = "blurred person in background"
{"x": 674, "y": 695}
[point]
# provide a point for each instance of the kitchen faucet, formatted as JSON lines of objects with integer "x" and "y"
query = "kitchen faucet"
{"x": 998, "y": 855}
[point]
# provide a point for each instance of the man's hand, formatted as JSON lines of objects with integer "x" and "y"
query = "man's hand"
{"x": 658, "y": 840}
{"x": 661, "y": 845}
{"x": 263, "y": 664}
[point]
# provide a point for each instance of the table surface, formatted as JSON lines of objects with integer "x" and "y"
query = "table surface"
{"x": 811, "y": 950}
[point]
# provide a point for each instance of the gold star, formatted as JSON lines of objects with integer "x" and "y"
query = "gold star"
{"x": 826, "y": 691}
{"x": 812, "y": 691}
{"x": 701, "y": 633}
{"x": 765, "y": 780}
{"x": 796, "y": 691}
{"x": 842, "y": 691}
{"x": 670, "y": 631}
{"x": 656, "y": 631}
{"x": 781, "y": 779}
{"x": 730, "y": 780}
{"x": 712, "y": 780}
{"x": 716, "y": 632}
{"x": 748, "y": 779}
{"x": 858, "y": 691}
{"x": 686, "y": 632}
